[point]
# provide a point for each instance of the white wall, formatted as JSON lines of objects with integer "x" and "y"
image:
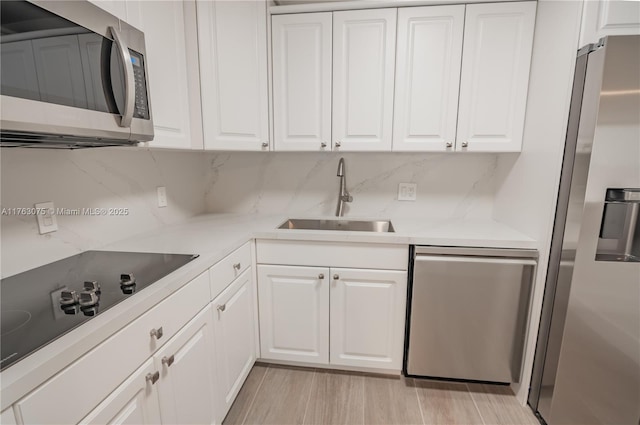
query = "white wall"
{"x": 449, "y": 185}
{"x": 92, "y": 178}
{"x": 527, "y": 196}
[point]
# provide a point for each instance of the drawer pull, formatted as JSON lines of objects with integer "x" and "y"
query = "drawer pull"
{"x": 465, "y": 144}
{"x": 221, "y": 307}
{"x": 336, "y": 276}
{"x": 237, "y": 266}
{"x": 168, "y": 360}
{"x": 321, "y": 276}
{"x": 157, "y": 333}
{"x": 153, "y": 377}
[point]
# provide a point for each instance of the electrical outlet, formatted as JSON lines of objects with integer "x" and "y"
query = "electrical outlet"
{"x": 407, "y": 191}
{"x": 46, "y": 216}
{"x": 162, "y": 197}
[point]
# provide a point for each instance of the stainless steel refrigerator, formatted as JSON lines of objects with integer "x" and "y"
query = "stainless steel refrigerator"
{"x": 587, "y": 363}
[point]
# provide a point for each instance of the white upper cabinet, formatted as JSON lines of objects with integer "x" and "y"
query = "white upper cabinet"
{"x": 363, "y": 76}
{"x": 163, "y": 24}
{"x": 498, "y": 40}
{"x": 429, "y": 54}
{"x": 302, "y": 81}
{"x": 609, "y": 17}
{"x": 232, "y": 40}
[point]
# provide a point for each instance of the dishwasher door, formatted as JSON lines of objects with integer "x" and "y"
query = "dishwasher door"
{"x": 468, "y": 313}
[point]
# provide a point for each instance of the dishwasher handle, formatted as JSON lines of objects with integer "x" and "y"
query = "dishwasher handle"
{"x": 483, "y": 260}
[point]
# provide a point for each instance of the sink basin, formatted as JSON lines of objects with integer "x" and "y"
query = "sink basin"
{"x": 380, "y": 226}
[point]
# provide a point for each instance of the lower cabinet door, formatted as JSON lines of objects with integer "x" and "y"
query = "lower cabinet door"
{"x": 294, "y": 313}
{"x": 186, "y": 382}
{"x": 235, "y": 344}
{"x": 135, "y": 401}
{"x": 368, "y": 317}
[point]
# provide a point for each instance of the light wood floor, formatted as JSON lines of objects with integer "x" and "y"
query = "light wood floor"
{"x": 287, "y": 395}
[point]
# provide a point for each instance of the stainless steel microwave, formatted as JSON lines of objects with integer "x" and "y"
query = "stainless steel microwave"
{"x": 72, "y": 76}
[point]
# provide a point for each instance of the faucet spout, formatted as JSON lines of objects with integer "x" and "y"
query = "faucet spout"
{"x": 343, "y": 194}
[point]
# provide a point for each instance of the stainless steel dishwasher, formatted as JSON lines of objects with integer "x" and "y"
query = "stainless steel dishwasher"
{"x": 467, "y": 312}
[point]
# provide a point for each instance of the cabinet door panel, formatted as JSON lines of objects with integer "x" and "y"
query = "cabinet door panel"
{"x": 7, "y": 417}
{"x": 186, "y": 381}
{"x": 429, "y": 54}
{"x": 302, "y": 81}
{"x": 232, "y": 38}
{"x": 134, "y": 402}
{"x": 164, "y": 29}
{"x": 367, "y": 317}
{"x": 498, "y": 40}
{"x": 294, "y": 313}
{"x": 233, "y": 318}
{"x": 609, "y": 17}
{"x": 363, "y": 75}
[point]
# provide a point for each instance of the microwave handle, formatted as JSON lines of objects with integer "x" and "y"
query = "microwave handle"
{"x": 129, "y": 80}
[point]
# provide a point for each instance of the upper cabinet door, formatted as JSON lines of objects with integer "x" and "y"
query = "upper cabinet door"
{"x": 498, "y": 39}
{"x": 232, "y": 37}
{"x": 429, "y": 54}
{"x": 608, "y": 17}
{"x": 302, "y": 81}
{"x": 164, "y": 29}
{"x": 363, "y": 75}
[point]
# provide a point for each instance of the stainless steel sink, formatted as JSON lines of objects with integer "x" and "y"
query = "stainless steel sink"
{"x": 380, "y": 226}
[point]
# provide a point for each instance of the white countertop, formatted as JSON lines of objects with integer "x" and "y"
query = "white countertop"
{"x": 212, "y": 237}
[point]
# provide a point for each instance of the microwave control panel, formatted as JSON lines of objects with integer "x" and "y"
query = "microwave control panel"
{"x": 141, "y": 109}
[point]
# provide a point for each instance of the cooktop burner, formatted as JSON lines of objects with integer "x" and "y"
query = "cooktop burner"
{"x": 42, "y": 304}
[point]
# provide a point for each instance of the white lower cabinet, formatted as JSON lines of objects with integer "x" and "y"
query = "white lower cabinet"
{"x": 294, "y": 313}
{"x": 332, "y": 315}
{"x": 367, "y": 317}
{"x": 133, "y": 402}
{"x": 234, "y": 330}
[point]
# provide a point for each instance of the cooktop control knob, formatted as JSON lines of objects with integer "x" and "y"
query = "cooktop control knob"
{"x": 68, "y": 298}
{"x": 88, "y": 298}
{"x": 92, "y": 286}
{"x": 127, "y": 283}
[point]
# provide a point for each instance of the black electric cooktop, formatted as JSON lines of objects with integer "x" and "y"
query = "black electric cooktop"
{"x": 42, "y": 304}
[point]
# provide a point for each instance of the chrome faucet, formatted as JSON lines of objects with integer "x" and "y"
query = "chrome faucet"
{"x": 343, "y": 195}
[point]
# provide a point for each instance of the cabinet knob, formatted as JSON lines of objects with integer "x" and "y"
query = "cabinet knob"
{"x": 265, "y": 144}
{"x": 152, "y": 377}
{"x": 338, "y": 144}
{"x": 323, "y": 145}
{"x": 336, "y": 276}
{"x": 157, "y": 333}
{"x": 449, "y": 144}
{"x": 221, "y": 307}
{"x": 237, "y": 266}
{"x": 168, "y": 360}
{"x": 465, "y": 144}
{"x": 321, "y": 276}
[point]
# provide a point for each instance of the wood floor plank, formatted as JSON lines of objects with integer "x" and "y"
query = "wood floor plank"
{"x": 447, "y": 403}
{"x": 390, "y": 400}
{"x": 336, "y": 398}
{"x": 498, "y": 405}
{"x": 247, "y": 393}
{"x": 282, "y": 398}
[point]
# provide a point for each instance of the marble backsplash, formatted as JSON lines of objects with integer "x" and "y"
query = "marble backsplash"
{"x": 449, "y": 185}
{"x": 92, "y": 178}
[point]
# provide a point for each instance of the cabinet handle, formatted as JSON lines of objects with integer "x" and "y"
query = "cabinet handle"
{"x": 321, "y": 276}
{"x": 236, "y": 266}
{"x": 338, "y": 144}
{"x": 221, "y": 307}
{"x": 336, "y": 277}
{"x": 465, "y": 144}
{"x": 449, "y": 144}
{"x": 152, "y": 377}
{"x": 156, "y": 333}
{"x": 323, "y": 145}
{"x": 168, "y": 360}
{"x": 265, "y": 144}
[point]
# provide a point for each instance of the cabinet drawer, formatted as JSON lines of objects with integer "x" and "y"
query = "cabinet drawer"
{"x": 331, "y": 254}
{"x": 86, "y": 382}
{"x": 229, "y": 268}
